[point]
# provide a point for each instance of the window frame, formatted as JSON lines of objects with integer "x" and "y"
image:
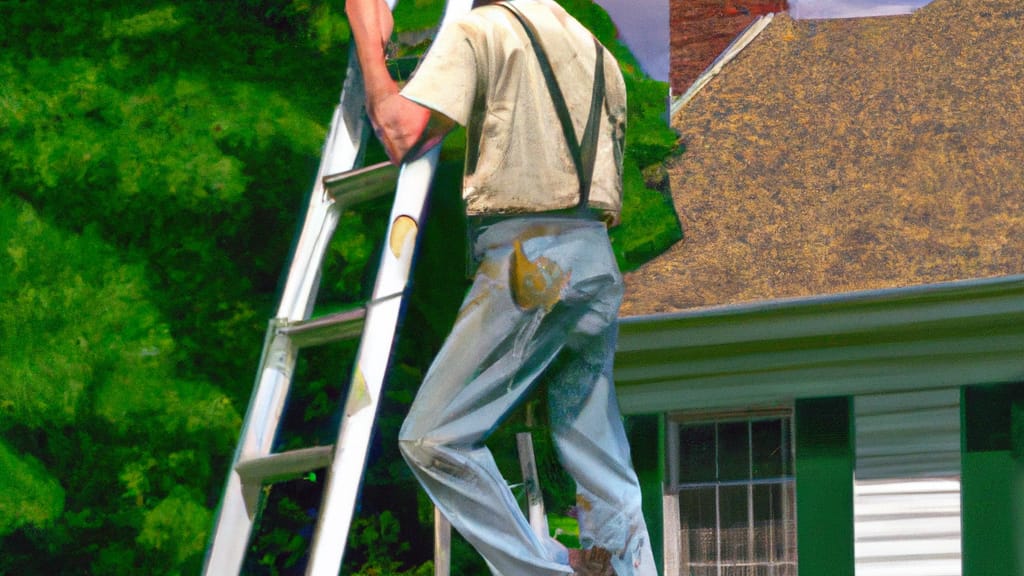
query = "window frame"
{"x": 672, "y": 486}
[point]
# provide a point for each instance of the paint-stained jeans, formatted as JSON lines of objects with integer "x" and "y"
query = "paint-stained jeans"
{"x": 542, "y": 308}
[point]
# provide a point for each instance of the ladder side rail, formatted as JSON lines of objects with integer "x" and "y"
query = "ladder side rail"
{"x": 342, "y": 151}
{"x": 531, "y": 483}
{"x": 225, "y": 551}
{"x": 442, "y": 544}
{"x": 345, "y": 475}
{"x": 372, "y": 359}
{"x": 237, "y": 511}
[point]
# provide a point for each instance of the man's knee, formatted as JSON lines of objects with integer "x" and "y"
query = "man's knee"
{"x": 411, "y": 442}
{"x": 434, "y": 458}
{"x": 418, "y": 446}
{"x": 415, "y": 451}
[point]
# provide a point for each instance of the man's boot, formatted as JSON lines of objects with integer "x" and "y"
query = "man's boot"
{"x": 591, "y": 562}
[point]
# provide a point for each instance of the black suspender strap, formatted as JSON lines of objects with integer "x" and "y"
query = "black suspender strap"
{"x": 583, "y": 153}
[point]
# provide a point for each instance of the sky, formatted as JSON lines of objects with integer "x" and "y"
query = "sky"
{"x": 644, "y": 24}
{"x": 851, "y": 8}
{"x": 643, "y": 27}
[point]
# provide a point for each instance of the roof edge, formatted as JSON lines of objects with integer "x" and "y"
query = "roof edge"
{"x": 740, "y": 42}
{"x": 921, "y": 337}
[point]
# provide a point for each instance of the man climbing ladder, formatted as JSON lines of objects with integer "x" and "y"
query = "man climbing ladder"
{"x": 524, "y": 78}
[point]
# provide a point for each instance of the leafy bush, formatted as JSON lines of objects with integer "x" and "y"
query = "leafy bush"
{"x": 153, "y": 163}
{"x": 99, "y": 439}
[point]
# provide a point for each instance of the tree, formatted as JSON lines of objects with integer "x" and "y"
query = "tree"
{"x": 101, "y": 441}
{"x": 153, "y": 165}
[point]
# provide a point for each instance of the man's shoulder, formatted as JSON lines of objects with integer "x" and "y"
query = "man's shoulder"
{"x": 478, "y": 23}
{"x": 498, "y": 14}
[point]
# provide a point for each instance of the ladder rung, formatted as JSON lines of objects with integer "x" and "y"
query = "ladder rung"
{"x": 363, "y": 184}
{"x": 284, "y": 465}
{"x": 330, "y": 328}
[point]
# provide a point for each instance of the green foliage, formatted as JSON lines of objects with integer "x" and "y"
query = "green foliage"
{"x": 380, "y": 537}
{"x": 649, "y": 225}
{"x": 110, "y": 435}
{"x": 29, "y": 495}
{"x": 153, "y": 164}
{"x": 176, "y": 527}
{"x": 600, "y": 25}
{"x": 417, "y": 15}
{"x": 180, "y": 139}
{"x": 280, "y": 547}
{"x": 565, "y": 530}
{"x": 649, "y": 140}
{"x": 165, "y": 19}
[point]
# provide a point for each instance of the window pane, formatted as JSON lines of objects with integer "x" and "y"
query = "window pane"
{"x": 697, "y": 453}
{"x": 789, "y": 522}
{"x": 769, "y": 450}
{"x": 733, "y": 451}
{"x": 732, "y": 527}
{"x": 734, "y": 516}
{"x": 697, "y": 525}
{"x": 773, "y": 524}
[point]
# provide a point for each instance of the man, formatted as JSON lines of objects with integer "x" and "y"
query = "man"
{"x": 542, "y": 310}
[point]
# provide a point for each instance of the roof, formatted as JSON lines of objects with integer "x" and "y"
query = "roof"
{"x": 846, "y": 155}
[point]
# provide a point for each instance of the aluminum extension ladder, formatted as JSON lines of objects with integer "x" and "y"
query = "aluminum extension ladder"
{"x": 339, "y": 184}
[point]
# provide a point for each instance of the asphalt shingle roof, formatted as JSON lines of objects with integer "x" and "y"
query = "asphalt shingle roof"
{"x": 842, "y": 155}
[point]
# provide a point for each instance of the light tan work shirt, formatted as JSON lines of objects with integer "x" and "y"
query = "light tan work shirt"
{"x": 481, "y": 72}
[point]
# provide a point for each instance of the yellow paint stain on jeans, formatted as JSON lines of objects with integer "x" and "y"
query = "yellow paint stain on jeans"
{"x": 535, "y": 283}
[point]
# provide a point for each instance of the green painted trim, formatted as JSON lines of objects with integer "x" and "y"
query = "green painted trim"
{"x": 655, "y": 501}
{"x": 1018, "y": 488}
{"x": 991, "y": 481}
{"x": 825, "y": 456}
{"x": 647, "y": 450}
{"x": 915, "y": 338}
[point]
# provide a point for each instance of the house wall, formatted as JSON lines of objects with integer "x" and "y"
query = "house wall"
{"x": 902, "y": 519}
{"x": 820, "y": 355}
{"x": 906, "y": 503}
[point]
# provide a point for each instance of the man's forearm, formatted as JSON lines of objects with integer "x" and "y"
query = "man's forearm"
{"x": 371, "y": 26}
{"x": 402, "y": 125}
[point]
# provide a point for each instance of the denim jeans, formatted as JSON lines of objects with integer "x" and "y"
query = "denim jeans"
{"x": 542, "y": 311}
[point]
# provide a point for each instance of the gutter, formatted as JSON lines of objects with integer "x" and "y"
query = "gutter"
{"x": 770, "y": 353}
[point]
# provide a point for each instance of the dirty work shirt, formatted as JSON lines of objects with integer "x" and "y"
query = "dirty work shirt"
{"x": 481, "y": 72}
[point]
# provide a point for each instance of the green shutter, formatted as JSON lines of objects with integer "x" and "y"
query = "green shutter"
{"x": 824, "y": 486}
{"x": 992, "y": 481}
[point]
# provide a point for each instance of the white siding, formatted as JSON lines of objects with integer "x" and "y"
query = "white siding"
{"x": 907, "y": 489}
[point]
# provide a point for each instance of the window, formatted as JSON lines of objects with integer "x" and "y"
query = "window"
{"x": 731, "y": 488}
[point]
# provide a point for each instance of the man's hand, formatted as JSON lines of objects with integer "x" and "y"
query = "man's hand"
{"x": 402, "y": 125}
